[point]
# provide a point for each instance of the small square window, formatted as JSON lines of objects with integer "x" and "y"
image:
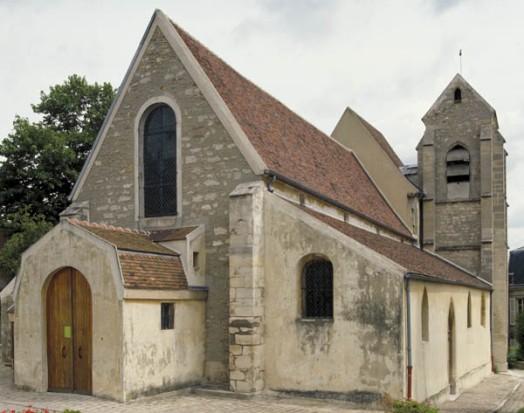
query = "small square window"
{"x": 167, "y": 316}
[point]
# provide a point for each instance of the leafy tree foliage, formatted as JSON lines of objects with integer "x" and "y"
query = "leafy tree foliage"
{"x": 40, "y": 161}
{"x": 27, "y": 230}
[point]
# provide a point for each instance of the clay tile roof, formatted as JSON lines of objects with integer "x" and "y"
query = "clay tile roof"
{"x": 152, "y": 271}
{"x": 406, "y": 255}
{"x": 124, "y": 238}
{"x": 292, "y": 147}
{"x": 171, "y": 234}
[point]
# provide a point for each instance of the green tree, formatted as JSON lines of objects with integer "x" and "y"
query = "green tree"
{"x": 27, "y": 230}
{"x": 40, "y": 161}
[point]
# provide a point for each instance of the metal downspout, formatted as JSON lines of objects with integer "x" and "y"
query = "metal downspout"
{"x": 493, "y": 367}
{"x": 408, "y": 338}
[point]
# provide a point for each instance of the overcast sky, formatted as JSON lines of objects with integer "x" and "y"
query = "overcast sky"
{"x": 388, "y": 60}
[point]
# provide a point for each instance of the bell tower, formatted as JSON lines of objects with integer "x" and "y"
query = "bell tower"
{"x": 462, "y": 172}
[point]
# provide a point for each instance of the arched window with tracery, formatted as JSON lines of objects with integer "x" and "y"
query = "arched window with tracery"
{"x": 317, "y": 289}
{"x": 458, "y": 172}
{"x": 159, "y": 166}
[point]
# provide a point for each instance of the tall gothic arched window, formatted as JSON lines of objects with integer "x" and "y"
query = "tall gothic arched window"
{"x": 159, "y": 163}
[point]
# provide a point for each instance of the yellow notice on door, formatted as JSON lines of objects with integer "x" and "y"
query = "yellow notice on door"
{"x": 67, "y": 331}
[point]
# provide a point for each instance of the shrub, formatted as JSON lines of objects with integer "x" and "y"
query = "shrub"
{"x": 519, "y": 334}
{"x": 521, "y": 410}
{"x": 410, "y": 406}
{"x": 513, "y": 357}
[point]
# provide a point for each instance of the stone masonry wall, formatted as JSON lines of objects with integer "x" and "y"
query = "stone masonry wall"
{"x": 246, "y": 297}
{"x": 212, "y": 166}
{"x": 473, "y": 232}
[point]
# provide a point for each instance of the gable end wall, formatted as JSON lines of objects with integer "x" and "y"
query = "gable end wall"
{"x": 211, "y": 167}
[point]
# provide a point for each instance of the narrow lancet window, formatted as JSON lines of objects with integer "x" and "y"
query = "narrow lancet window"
{"x": 469, "y": 310}
{"x": 159, "y": 163}
{"x": 457, "y": 96}
{"x": 425, "y": 316}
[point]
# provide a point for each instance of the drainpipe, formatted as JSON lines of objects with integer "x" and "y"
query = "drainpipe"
{"x": 493, "y": 367}
{"x": 408, "y": 332}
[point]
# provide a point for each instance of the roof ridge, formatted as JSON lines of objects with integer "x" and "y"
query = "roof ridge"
{"x": 89, "y": 224}
{"x": 174, "y": 255}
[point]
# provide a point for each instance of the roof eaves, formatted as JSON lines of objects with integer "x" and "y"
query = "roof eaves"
{"x": 302, "y": 187}
{"x": 482, "y": 280}
{"x": 439, "y": 280}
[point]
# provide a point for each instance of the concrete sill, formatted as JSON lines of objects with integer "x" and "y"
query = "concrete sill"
{"x": 315, "y": 320}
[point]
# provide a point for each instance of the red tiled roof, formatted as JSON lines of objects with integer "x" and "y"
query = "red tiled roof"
{"x": 152, "y": 271}
{"x": 291, "y": 146}
{"x": 144, "y": 263}
{"x": 124, "y": 238}
{"x": 413, "y": 259}
{"x": 171, "y": 234}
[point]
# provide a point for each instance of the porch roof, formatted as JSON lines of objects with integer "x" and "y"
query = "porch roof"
{"x": 144, "y": 263}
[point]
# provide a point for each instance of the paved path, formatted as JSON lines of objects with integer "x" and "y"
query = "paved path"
{"x": 500, "y": 393}
{"x": 183, "y": 402}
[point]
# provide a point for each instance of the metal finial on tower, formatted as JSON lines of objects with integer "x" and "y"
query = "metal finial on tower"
{"x": 460, "y": 61}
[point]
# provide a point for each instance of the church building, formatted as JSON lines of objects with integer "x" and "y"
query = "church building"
{"x": 216, "y": 237}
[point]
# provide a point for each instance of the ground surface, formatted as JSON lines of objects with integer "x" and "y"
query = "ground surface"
{"x": 498, "y": 393}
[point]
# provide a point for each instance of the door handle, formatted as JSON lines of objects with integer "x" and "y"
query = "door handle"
{"x": 64, "y": 352}
{"x": 80, "y": 352}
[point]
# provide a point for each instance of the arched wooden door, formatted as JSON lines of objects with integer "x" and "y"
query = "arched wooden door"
{"x": 69, "y": 332}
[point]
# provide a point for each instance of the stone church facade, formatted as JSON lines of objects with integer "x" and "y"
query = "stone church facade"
{"x": 214, "y": 236}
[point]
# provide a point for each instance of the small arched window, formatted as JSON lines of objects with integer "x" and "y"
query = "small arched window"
{"x": 425, "y": 316}
{"x": 317, "y": 289}
{"x": 469, "y": 310}
{"x": 457, "y": 97}
{"x": 159, "y": 163}
{"x": 483, "y": 310}
{"x": 458, "y": 172}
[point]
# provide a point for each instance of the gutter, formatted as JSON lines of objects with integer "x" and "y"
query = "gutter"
{"x": 275, "y": 175}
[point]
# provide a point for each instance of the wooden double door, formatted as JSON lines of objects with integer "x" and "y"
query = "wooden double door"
{"x": 69, "y": 332}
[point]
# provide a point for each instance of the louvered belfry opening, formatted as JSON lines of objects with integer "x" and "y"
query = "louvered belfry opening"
{"x": 159, "y": 160}
{"x": 317, "y": 289}
{"x": 458, "y": 172}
